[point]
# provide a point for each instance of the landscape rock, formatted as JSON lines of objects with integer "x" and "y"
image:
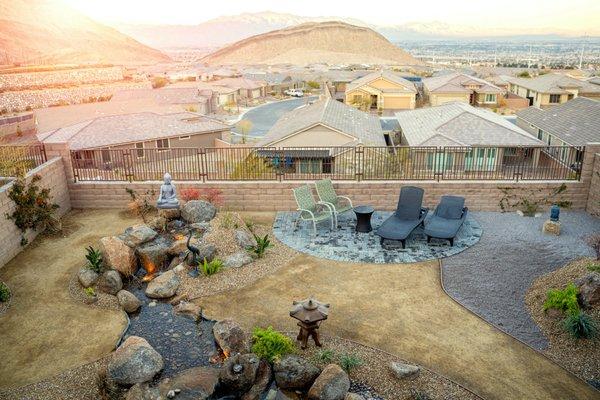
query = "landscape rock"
{"x": 401, "y": 370}
{"x": 169, "y": 213}
{"x": 117, "y": 255}
{"x": 237, "y": 260}
{"x": 135, "y": 361}
{"x": 238, "y": 373}
{"x": 244, "y": 239}
{"x": 143, "y": 391}
{"x": 353, "y": 396}
{"x": 205, "y": 251}
{"x": 179, "y": 268}
{"x": 128, "y": 301}
{"x": 198, "y": 211}
{"x": 154, "y": 253}
{"x": 332, "y": 384}
{"x": 163, "y": 286}
{"x": 276, "y": 394}
{"x": 137, "y": 235}
{"x": 200, "y": 228}
{"x": 110, "y": 282}
{"x": 188, "y": 310}
{"x": 158, "y": 224}
{"x": 197, "y": 383}
{"x": 230, "y": 337}
{"x": 87, "y": 277}
{"x": 179, "y": 298}
{"x": 294, "y": 372}
{"x": 589, "y": 289}
{"x": 261, "y": 382}
{"x": 179, "y": 246}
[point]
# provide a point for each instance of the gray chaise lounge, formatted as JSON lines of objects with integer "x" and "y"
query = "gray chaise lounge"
{"x": 447, "y": 219}
{"x": 408, "y": 215}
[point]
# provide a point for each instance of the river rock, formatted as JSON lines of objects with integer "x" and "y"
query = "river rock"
{"x": 163, "y": 286}
{"x": 237, "y": 260}
{"x": 261, "y": 382}
{"x": 154, "y": 253}
{"x": 143, "y": 391}
{"x": 332, "y": 384}
{"x": 230, "y": 337}
{"x": 179, "y": 246}
{"x": 87, "y": 277}
{"x": 110, "y": 282}
{"x": 188, "y": 310}
{"x": 137, "y": 235}
{"x": 589, "y": 289}
{"x": 238, "y": 373}
{"x": 135, "y": 361}
{"x": 117, "y": 255}
{"x": 197, "y": 383}
{"x": 198, "y": 211}
{"x": 128, "y": 301}
{"x": 294, "y": 372}
{"x": 244, "y": 239}
{"x": 401, "y": 370}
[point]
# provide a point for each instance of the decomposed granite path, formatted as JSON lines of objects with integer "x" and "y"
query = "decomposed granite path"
{"x": 403, "y": 310}
{"x": 45, "y": 331}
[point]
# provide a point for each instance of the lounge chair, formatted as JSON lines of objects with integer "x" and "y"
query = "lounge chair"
{"x": 408, "y": 215}
{"x": 447, "y": 219}
{"x": 310, "y": 210}
{"x": 327, "y": 194}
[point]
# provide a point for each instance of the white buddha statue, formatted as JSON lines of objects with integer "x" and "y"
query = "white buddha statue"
{"x": 168, "y": 194}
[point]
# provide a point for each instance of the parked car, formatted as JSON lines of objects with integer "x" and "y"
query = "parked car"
{"x": 294, "y": 92}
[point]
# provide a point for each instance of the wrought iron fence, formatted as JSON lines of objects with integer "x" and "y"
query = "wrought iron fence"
{"x": 18, "y": 160}
{"x": 336, "y": 163}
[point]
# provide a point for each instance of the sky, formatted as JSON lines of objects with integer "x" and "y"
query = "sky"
{"x": 517, "y": 15}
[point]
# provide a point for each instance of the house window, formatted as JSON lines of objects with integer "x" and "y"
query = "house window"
{"x": 139, "y": 150}
{"x": 105, "y": 155}
{"x": 540, "y": 134}
{"x": 162, "y": 144}
{"x": 555, "y": 98}
{"x": 490, "y": 98}
{"x": 549, "y": 140}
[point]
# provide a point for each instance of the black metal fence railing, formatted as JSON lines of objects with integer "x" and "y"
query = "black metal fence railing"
{"x": 336, "y": 163}
{"x": 18, "y": 160}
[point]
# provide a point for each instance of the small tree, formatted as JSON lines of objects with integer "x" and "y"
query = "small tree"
{"x": 252, "y": 167}
{"x": 524, "y": 74}
{"x": 313, "y": 85}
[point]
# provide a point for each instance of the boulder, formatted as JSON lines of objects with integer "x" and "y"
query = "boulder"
{"x": 143, "y": 391}
{"x": 110, "y": 282}
{"x": 205, "y": 251}
{"x": 197, "y": 383}
{"x": 169, "y": 213}
{"x": 332, "y": 384}
{"x": 117, "y": 255}
{"x": 87, "y": 277}
{"x": 158, "y": 224}
{"x": 179, "y": 246}
{"x": 244, "y": 239}
{"x": 353, "y": 396}
{"x": 137, "y": 235}
{"x": 128, "y": 301}
{"x": 401, "y": 370}
{"x": 294, "y": 372}
{"x": 230, "y": 337}
{"x": 237, "y": 260}
{"x": 238, "y": 373}
{"x": 163, "y": 286}
{"x": 277, "y": 394}
{"x": 188, "y": 310}
{"x": 198, "y": 211}
{"x": 589, "y": 289}
{"x": 154, "y": 253}
{"x": 135, "y": 361}
{"x": 200, "y": 228}
{"x": 261, "y": 382}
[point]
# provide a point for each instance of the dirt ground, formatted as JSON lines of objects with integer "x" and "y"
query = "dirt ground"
{"x": 45, "y": 331}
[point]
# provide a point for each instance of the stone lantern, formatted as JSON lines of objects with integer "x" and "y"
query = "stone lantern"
{"x": 309, "y": 312}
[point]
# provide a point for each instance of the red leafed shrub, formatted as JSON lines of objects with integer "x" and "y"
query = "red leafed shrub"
{"x": 213, "y": 196}
{"x": 190, "y": 194}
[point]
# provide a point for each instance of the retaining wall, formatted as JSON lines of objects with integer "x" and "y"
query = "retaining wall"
{"x": 593, "y": 204}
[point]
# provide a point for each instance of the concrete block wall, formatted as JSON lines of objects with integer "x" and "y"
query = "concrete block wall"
{"x": 593, "y": 203}
{"x": 53, "y": 177}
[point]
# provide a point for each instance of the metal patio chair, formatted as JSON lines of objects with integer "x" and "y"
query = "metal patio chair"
{"x": 311, "y": 210}
{"x": 327, "y": 194}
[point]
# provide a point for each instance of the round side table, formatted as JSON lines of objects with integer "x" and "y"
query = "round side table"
{"x": 363, "y": 218}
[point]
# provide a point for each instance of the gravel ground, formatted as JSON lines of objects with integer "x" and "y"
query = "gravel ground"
{"x": 492, "y": 277}
{"x": 582, "y": 357}
{"x": 104, "y": 300}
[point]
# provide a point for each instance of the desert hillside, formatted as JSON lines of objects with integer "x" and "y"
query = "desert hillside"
{"x": 49, "y": 31}
{"x": 324, "y": 42}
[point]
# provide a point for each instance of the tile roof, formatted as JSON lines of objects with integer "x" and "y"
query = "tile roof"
{"x": 460, "y": 124}
{"x": 166, "y": 95}
{"x": 456, "y": 82}
{"x": 388, "y": 75}
{"x": 117, "y": 130}
{"x": 554, "y": 83}
{"x": 364, "y": 127}
{"x": 239, "y": 83}
{"x": 576, "y": 122}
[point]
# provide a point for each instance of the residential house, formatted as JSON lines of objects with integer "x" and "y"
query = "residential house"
{"x": 276, "y": 83}
{"x": 246, "y": 88}
{"x": 189, "y": 97}
{"x": 18, "y": 128}
{"x": 461, "y": 87}
{"x": 382, "y": 90}
{"x": 551, "y": 89}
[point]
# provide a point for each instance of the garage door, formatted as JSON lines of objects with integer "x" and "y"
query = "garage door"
{"x": 396, "y": 103}
{"x": 439, "y": 99}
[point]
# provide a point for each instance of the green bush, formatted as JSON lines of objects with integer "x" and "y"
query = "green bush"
{"x": 94, "y": 259}
{"x": 325, "y": 356}
{"x": 581, "y": 326}
{"x": 262, "y": 244}
{"x": 349, "y": 361}
{"x": 594, "y": 267}
{"x": 90, "y": 291}
{"x": 564, "y": 300}
{"x": 211, "y": 268}
{"x": 271, "y": 345}
{"x": 4, "y": 292}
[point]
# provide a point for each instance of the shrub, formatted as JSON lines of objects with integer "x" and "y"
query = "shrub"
{"x": 213, "y": 196}
{"x": 594, "y": 267}
{"x": 325, "y": 356}
{"x": 90, "y": 291}
{"x": 564, "y": 300}
{"x": 94, "y": 259}
{"x": 313, "y": 85}
{"x": 262, "y": 244}
{"x": 159, "y": 82}
{"x": 580, "y": 325}
{"x": 190, "y": 194}
{"x": 524, "y": 74}
{"x": 4, "y": 292}
{"x": 212, "y": 267}
{"x": 228, "y": 221}
{"x": 271, "y": 345}
{"x": 140, "y": 205}
{"x": 349, "y": 361}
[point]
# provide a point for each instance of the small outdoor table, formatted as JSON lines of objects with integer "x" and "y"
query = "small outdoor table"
{"x": 363, "y": 218}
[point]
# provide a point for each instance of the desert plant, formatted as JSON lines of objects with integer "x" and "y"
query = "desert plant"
{"x": 419, "y": 395}
{"x": 213, "y": 196}
{"x": 564, "y": 300}
{"x": 139, "y": 205}
{"x": 261, "y": 246}
{"x": 594, "y": 267}
{"x": 159, "y": 82}
{"x": 533, "y": 200}
{"x": 211, "y": 267}
{"x": 349, "y": 361}
{"x": 33, "y": 208}
{"x": 524, "y": 74}
{"x": 251, "y": 168}
{"x": 90, "y": 291}
{"x": 94, "y": 258}
{"x": 189, "y": 194}
{"x": 271, "y": 345}
{"x": 580, "y": 325}
{"x": 326, "y": 356}
{"x": 249, "y": 224}
{"x": 4, "y": 292}
{"x": 229, "y": 221}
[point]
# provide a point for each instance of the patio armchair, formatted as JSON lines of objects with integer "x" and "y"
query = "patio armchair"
{"x": 408, "y": 215}
{"x": 327, "y": 194}
{"x": 447, "y": 219}
{"x": 311, "y": 210}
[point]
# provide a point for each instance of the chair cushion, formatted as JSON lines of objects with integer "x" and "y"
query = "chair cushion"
{"x": 450, "y": 207}
{"x": 395, "y": 228}
{"x": 409, "y": 203}
{"x": 442, "y": 228}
